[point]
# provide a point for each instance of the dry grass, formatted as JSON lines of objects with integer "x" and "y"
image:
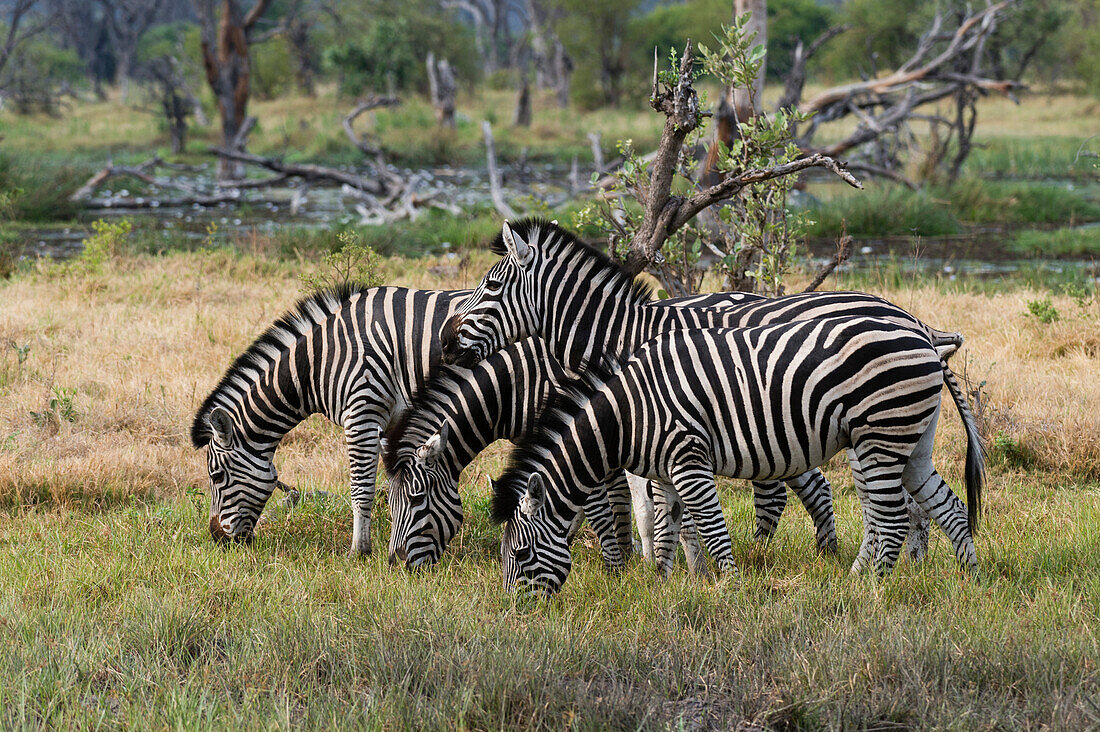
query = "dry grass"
{"x": 139, "y": 345}
{"x": 128, "y": 615}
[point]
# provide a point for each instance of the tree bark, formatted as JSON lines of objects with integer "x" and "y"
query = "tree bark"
{"x": 225, "y": 56}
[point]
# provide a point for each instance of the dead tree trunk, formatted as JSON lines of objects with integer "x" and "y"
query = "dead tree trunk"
{"x": 441, "y": 83}
{"x": 522, "y": 117}
{"x": 225, "y": 57}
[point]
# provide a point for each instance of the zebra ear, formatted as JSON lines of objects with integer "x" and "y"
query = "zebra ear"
{"x": 221, "y": 427}
{"x": 432, "y": 448}
{"x": 535, "y": 497}
{"x": 516, "y": 246}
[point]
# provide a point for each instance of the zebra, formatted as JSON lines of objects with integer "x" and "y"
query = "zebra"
{"x": 352, "y": 354}
{"x": 758, "y": 403}
{"x": 459, "y": 413}
{"x": 549, "y": 283}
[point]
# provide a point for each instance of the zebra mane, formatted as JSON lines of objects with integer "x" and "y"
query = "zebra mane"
{"x": 427, "y": 405}
{"x": 557, "y": 242}
{"x": 529, "y": 451}
{"x": 266, "y": 350}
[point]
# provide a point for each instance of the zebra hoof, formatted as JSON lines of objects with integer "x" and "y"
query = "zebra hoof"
{"x": 828, "y": 547}
{"x": 360, "y": 550}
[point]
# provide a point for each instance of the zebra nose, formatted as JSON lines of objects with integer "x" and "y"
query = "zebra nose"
{"x": 217, "y": 531}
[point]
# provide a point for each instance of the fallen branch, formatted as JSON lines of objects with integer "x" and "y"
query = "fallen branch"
{"x": 140, "y": 172}
{"x": 196, "y": 200}
{"x": 307, "y": 171}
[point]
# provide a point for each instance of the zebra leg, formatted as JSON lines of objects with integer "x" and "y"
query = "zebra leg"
{"x": 867, "y": 545}
{"x": 769, "y": 498}
{"x": 668, "y": 512}
{"x": 618, "y": 494}
{"x": 642, "y": 499}
{"x": 362, "y": 443}
{"x": 696, "y": 488}
{"x": 693, "y": 551}
{"x": 599, "y": 512}
{"x": 936, "y": 499}
{"x": 817, "y": 498}
{"x": 885, "y": 508}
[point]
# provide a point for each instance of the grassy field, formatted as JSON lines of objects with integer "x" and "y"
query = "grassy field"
{"x": 118, "y": 610}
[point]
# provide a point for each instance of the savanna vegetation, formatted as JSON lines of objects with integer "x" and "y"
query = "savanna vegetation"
{"x": 118, "y": 610}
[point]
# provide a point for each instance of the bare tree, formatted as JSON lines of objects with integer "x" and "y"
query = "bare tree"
{"x": 24, "y": 21}
{"x": 491, "y": 29}
{"x": 168, "y": 89}
{"x": 441, "y": 81}
{"x": 225, "y": 54}
{"x": 127, "y": 20}
{"x": 553, "y": 66}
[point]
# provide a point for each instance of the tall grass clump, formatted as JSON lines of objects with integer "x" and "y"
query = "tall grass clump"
{"x": 993, "y": 202}
{"x": 1070, "y": 242}
{"x": 885, "y": 210}
{"x": 37, "y": 188}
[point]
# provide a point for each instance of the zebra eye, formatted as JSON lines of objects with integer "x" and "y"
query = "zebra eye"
{"x": 217, "y": 475}
{"x": 523, "y": 553}
{"x": 493, "y": 285}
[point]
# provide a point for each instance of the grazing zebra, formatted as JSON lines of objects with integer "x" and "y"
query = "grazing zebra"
{"x": 757, "y": 403}
{"x": 550, "y": 284}
{"x": 456, "y": 416}
{"x": 353, "y": 355}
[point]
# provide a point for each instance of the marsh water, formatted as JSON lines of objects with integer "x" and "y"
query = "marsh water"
{"x": 980, "y": 251}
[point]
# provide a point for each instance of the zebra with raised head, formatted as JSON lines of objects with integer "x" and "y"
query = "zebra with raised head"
{"x": 352, "y": 355}
{"x": 456, "y": 416}
{"x": 549, "y": 283}
{"x": 757, "y": 403}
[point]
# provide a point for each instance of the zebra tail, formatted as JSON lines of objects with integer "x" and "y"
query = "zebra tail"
{"x": 975, "y": 452}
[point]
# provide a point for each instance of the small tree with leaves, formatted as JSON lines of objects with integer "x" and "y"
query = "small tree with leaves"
{"x": 747, "y": 232}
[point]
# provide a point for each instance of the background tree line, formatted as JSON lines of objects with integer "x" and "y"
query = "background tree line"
{"x": 593, "y": 53}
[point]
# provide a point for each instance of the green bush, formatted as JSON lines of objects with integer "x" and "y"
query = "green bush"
{"x": 1043, "y": 310}
{"x": 272, "y": 69}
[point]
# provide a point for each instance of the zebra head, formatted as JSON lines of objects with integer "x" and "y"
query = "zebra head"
{"x": 503, "y": 309}
{"x": 534, "y": 549}
{"x": 242, "y": 476}
{"x": 425, "y": 507}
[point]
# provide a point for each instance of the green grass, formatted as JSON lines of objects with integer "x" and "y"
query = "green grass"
{"x": 133, "y": 617}
{"x": 882, "y": 210}
{"x": 985, "y": 202}
{"x": 1078, "y": 242}
{"x": 1031, "y": 156}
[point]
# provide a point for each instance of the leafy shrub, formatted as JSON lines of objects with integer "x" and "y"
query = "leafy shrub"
{"x": 105, "y": 243}
{"x": 352, "y": 263}
{"x": 1043, "y": 310}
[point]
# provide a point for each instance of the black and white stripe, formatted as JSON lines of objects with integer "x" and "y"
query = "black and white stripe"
{"x": 456, "y": 416}
{"x": 758, "y": 403}
{"x": 353, "y": 355}
{"x": 552, "y": 285}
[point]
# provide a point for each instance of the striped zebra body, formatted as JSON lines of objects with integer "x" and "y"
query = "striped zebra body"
{"x": 352, "y": 355}
{"x": 759, "y": 403}
{"x": 456, "y": 416}
{"x": 552, "y": 285}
